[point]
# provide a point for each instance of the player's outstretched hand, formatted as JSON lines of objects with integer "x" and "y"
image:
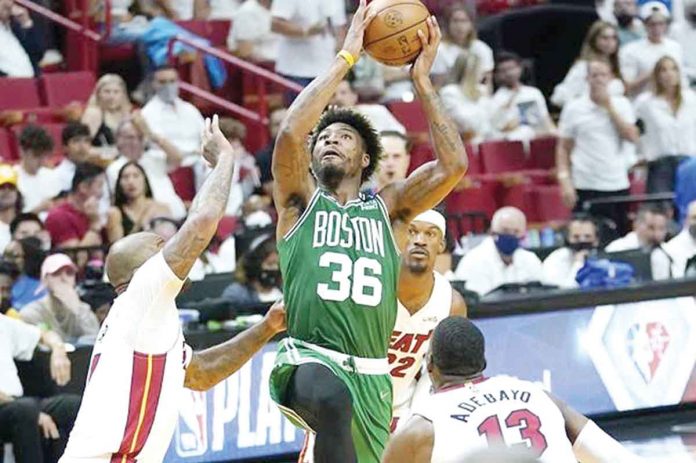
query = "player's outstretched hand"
{"x": 354, "y": 37}
{"x": 213, "y": 142}
{"x": 424, "y": 63}
{"x": 275, "y": 317}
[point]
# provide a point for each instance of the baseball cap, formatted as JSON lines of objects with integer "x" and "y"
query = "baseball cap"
{"x": 8, "y": 175}
{"x": 433, "y": 217}
{"x": 55, "y": 262}
{"x": 650, "y": 8}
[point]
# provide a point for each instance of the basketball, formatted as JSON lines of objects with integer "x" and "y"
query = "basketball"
{"x": 392, "y": 38}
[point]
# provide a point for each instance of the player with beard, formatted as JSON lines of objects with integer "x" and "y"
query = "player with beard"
{"x": 339, "y": 258}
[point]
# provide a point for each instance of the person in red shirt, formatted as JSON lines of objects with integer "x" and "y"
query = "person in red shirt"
{"x": 76, "y": 221}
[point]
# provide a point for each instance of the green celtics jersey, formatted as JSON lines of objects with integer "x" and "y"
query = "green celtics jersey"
{"x": 340, "y": 268}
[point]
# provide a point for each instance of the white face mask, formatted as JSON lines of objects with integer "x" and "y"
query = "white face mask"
{"x": 168, "y": 92}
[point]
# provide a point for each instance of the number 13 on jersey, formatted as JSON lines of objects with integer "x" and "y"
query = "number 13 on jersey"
{"x": 356, "y": 280}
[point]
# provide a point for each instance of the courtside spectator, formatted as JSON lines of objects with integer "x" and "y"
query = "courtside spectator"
{"x": 106, "y": 108}
{"x": 308, "y": 31}
{"x": 171, "y": 118}
{"x": 8, "y": 275}
{"x": 649, "y": 234}
{"x": 265, "y": 156}
{"x": 134, "y": 206}
{"x": 668, "y": 114}
{"x": 251, "y": 37}
{"x": 131, "y": 146}
{"x": 10, "y": 202}
{"x": 395, "y": 159}
{"x": 518, "y": 111}
{"x": 76, "y": 221}
{"x": 27, "y": 224}
{"x": 592, "y": 130}
{"x": 638, "y": 58}
{"x": 37, "y": 184}
{"x": 561, "y": 266}
{"x": 466, "y": 100}
{"x": 257, "y": 275}
{"x": 28, "y": 255}
{"x": 382, "y": 120}
{"x": 61, "y": 310}
{"x": 460, "y": 38}
{"x": 499, "y": 259}
{"x": 77, "y": 147}
{"x": 683, "y": 246}
{"x": 36, "y": 428}
{"x": 601, "y": 44}
{"x": 22, "y": 45}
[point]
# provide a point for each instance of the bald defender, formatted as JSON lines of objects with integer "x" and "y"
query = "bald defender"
{"x": 140, "y": 362}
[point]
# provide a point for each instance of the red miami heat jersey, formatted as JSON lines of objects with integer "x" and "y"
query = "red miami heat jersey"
{"x": 131, "y": 402}
{"x": 501, "y": 409}
{"x": 410, "y": 342}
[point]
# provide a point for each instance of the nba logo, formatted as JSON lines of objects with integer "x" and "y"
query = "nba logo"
{"x": 646, "y": 344}
{"x": 192, "y": 429}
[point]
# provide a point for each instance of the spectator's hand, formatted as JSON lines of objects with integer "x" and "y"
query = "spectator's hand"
{"x": 60, "y": 367}
{"x": 275, "y": 317}
{"x": 424, "y": 62}
{"x": 214, "y": 142}
{"x": 21, "y": 15}
{"x": 570, "y": 197}
{"x": 318, "y": 28}
{"x": 354, "y": 37}
{"x": 48, "y": 426}
{"x": 601, "y": 96}
{"x": 65, "y": 293}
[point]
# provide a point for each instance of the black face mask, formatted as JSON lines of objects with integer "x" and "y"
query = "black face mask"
{"x": 269, "y": 278}
{"x": 581, "y": 246}
{"x": 624, "y": 19}
{"x": 5, "y": 305}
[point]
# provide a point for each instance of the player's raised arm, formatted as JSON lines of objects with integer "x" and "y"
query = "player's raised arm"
{"x": 412, "y": 444}
{"x": 293, "y": 184}
{"x": 430, "y": 183}
{"x": 182, "y": 250}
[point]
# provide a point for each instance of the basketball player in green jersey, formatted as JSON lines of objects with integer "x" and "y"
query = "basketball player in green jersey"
{"x": 339, "y": 254}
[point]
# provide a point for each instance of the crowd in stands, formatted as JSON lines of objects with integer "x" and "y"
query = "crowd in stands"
{"x": 624, "y": 112}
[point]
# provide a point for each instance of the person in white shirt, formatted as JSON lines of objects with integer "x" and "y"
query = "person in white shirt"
{"x": 171, "y": 118}
{"x": 592, "y": 129}
{"x": 602, "y": 44}
{"x": 21, "y": 49}
{"x": 499, "y": 259}
{"x": 380, "y": 117}
{"x": 460, "y": 37}
{"x": 251, "y": 36}
{"x": 518, "y": 112}
{"x": 37, "y": 184}
{"x": 638, "y": 58}
{"x": 309, "y": 30}
{"x": 683, "y": 246}
{"x": 466, "y": 101}
{"x": 220, "y": 9}
{"x": 561, "y": 266}
{"x": 10, "y": 202}
{"x": 469, "y": 412}
{"x": 684, "y": 33}
{"x": 649, "y": 234}
{"x": 131, "y": 146}
{"x": 668, "y": 115}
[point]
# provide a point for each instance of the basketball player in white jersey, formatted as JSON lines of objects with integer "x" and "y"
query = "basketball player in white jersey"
{"x": 469, "y": 412}
{"x": 140, "y": 362}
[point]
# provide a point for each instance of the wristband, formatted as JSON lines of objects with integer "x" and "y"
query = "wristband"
{"x": 348, "y": 57}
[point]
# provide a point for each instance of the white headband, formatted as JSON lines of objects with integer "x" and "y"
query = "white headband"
{"x": 433, "y": 217}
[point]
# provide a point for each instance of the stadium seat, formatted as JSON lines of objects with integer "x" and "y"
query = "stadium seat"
{"x": 184, "y": 183}
{"x": 226, "y": 227}
{"x": 218, "y": 30}
{"x": 62, "y": 88}
{"x": 547, "y": 204}
{"x": 19, "y": 94}
{"x": 475, "y": 167}
{"x": 8, "y": 151}
{"x": 542, "y": 153}
{"x": 411, "y": 115}
{"x": 502, "y": 156}
{"x": 420, "y": 154}
{"x": 474, "y": 197}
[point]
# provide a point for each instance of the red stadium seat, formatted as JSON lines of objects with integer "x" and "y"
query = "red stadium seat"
{"x": 184, "y": 183}
{"x": 59, "y": 89}
{"x": 475, "y": 167}
{"x": 502, "y": 156}
{"x": 542, "y": 153}
{"x": 478, "y": 197}
{"x": 8, "y": 151}
{"x": 218, "y": 30}
{"x": 19, "y": 94}
{"x": 547, "y": 203}
{"x": 226, "y": 227}
{"x": 420, "y": 154}
{"x": 411, "y": 115}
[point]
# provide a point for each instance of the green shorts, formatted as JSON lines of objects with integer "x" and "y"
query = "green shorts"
{"x": 371, "y": 393}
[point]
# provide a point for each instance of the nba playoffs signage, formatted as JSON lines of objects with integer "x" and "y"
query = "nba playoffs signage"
{"x": 602, "y": 359}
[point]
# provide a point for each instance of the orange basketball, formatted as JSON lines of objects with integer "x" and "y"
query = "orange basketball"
{"x": 392, "y": 38}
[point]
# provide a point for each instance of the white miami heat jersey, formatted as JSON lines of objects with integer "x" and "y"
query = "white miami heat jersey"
{"x": 131, "y": 402}
{"x": 410, "y": 341}
{"x": 502, "y": 409}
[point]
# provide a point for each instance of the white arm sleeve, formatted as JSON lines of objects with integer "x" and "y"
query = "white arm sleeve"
{"x": 596, "y": 446}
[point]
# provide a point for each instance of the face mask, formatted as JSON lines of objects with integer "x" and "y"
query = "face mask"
{"x": 5, "y": 305}
{"x": 506, "y": 244}
{"x": 624, "y": 19}
{"x": 692, "y": 231}
{"x": 168, "y": 92}
{"x": 581, "y": 246}
{"x": 269, "y": 278}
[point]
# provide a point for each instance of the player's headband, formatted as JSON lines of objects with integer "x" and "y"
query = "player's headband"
{"x": 435, "y": 218}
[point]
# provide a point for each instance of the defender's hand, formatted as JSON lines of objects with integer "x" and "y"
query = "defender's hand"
{"x": 275, "y": 317}
{"x": 354, "y": 37}
{"x": 213, "y": 142}
{"x": 424, "y": 63}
